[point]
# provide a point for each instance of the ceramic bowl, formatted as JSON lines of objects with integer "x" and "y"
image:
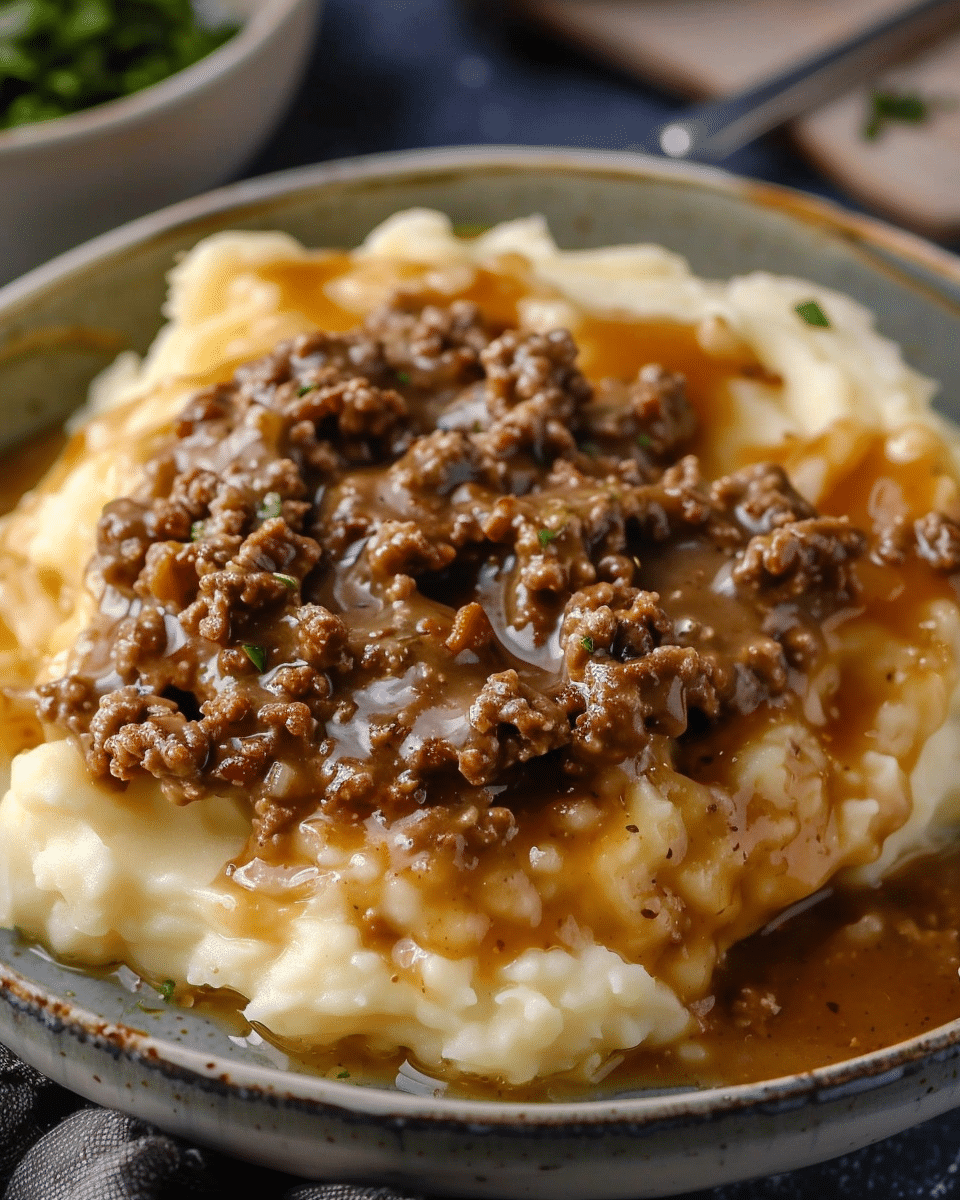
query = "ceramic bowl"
{"x": 65, "y": 180}
{"x": 107, "y": 1041}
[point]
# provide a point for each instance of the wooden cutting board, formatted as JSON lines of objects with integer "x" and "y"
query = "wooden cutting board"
{"x": 710, "y": 48}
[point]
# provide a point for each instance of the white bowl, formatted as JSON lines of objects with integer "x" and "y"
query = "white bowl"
{"x": 63, "y": 181}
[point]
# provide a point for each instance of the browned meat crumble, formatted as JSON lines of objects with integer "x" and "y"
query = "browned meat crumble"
{"x": 400, "y": 570}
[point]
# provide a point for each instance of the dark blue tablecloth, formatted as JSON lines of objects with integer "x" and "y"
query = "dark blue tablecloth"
{"x": 400, "y": 74}
{"x": 392, "y": 75}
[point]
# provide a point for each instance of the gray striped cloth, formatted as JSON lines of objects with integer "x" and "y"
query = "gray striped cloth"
{"x": 53, "y": 1147}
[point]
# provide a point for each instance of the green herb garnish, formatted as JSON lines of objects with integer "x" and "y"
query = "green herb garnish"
{"x": 307, "y": 387}
{"x": 256, "y": 654}
{"x": 813, "y": 314}
{"x": 344, "y": 1075}
{"x": 644, "y": 439}
{"x": 288, "y": 581}
{"x": 196, "y": 531}
{"x": 403, "y": 377}
{"x": 909, "y": 108}
{"x": 270, "y": 506}
{"x": 60, "y": 56}
{"x": 166, "y": 989}
{"x": 546, "y": 536}
{"x": 587, "y": 644}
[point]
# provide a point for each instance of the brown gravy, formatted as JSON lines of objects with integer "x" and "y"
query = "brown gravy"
{"x": 861, "y": 969}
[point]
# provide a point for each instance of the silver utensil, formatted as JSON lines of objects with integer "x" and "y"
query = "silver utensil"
{"x": 711, "y": 132}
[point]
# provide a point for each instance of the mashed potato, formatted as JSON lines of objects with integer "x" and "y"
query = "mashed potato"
{"x": 597, "y": 921}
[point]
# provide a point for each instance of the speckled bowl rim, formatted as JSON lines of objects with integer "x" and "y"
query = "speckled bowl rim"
{"x": 903, "y": 254}
{"x": 256, "y": 28}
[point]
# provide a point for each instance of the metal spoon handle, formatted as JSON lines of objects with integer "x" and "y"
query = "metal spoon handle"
{"x": 710, "y": 132}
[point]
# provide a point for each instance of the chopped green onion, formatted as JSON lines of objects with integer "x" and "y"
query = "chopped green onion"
{"x": 256, "y": 654}
{"x": 270, "y": 506}
{"x": 287, "y": 580}
{"x": 587, "y": 644}
{"x": 307, "y": 387}
{"x": 196, "y": 531}
{"x": 89, "y": 19}
{"x": 16, "y": 64}
{"x": 344, "y": 1075}
{"x": 59, "y": 56}
{"x": 813, "y": 314}
{"x": 546, "y": 536}
{"x": 166, "y": 989}
{"x": 29, "y": 109}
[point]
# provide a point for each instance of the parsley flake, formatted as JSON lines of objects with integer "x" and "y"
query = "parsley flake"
{"x": 587, "y": 644}
{"x": 546, "y": 536}
{"x": 813, "y": 314}
{"x": 288, "y": 581}
{"x": 910, "y": 108}
{"x": 256, "y": 654}
{"x": 344, "y": 1075}
{"x": 307, "y": 387}
{"x": 196, "y": 531}
{"x": 403, "y": 377}
{"x": 270, "y": 506}
{"x": 644, "y": 439}
{"x": 166, "y": 989}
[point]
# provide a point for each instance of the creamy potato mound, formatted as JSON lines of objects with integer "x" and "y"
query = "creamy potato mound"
{"x": 598, "y": 925}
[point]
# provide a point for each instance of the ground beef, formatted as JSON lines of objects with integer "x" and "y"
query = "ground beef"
{"x": 761, "y": 498}
{"x": 432, "y": 348}
{"x": 425, "y": 571}
{"x": 533, "y": 393}
{"x": 510, "y": 723}
{"x": 652, "y": 413}
{"x": 808, "y": 558}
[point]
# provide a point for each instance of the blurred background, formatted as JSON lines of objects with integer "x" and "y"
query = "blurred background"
{"x": 301, "y": 81}
{"x": 604, "y": 74}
